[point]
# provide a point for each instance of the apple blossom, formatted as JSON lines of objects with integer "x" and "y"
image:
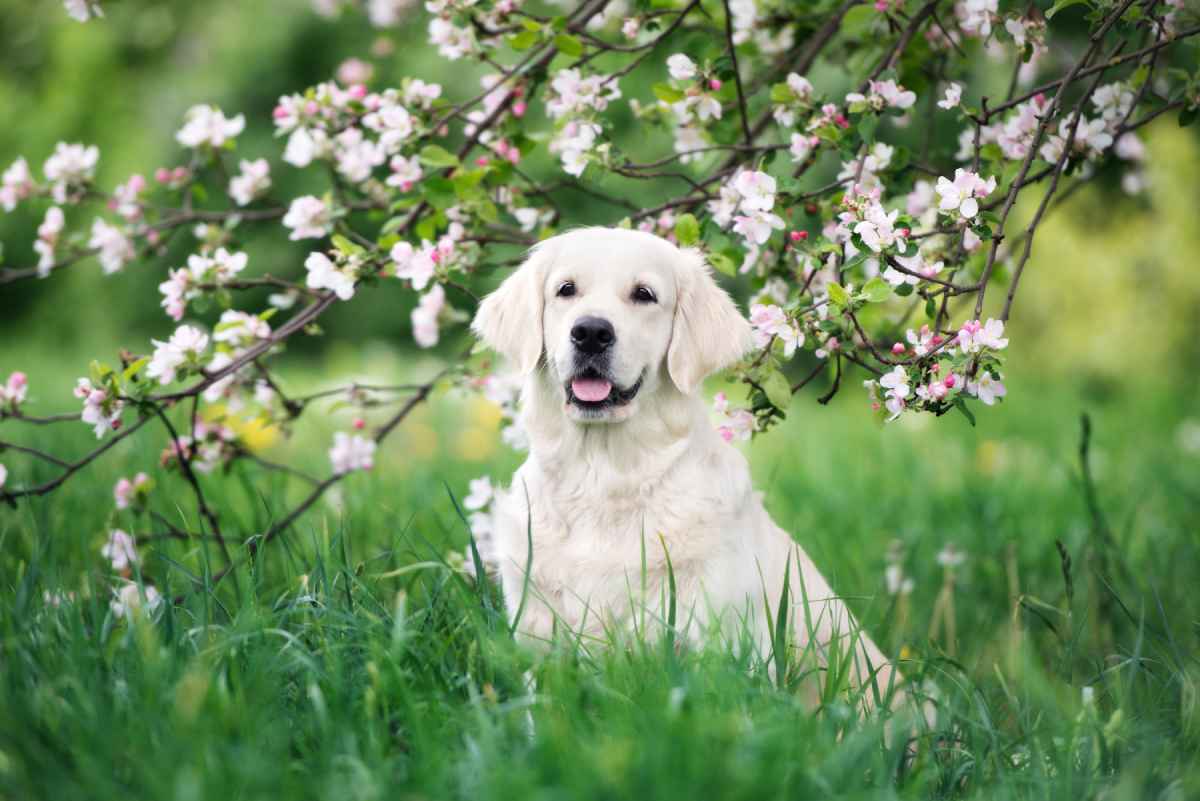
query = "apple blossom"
{"x": 3, "y": 475}
{"x": 451, "y": 41}
{"x": 574, "y": 94}
{"x": 324, "y": 274}
{"x": 83, "y": 10}
{"x": 757, "y": 190}
{"x": 309, "y": 218}
{"x": 70, "y": 167}
{"x": 114, "y": 248}
{"x": 573, "y": 144}
{"x": 16, "y": 184}
{"x": 355, "y": 71}
{"x": 356, "y": 155}
{"x": 240, "y": 329}
{"x": 1091, "y": 139}
{"x": 769, "y": 322}
{"x": 961, "y": 194}
{"x": 120, "y": 550}
{"x": 877, "y": 229}
{"x": 207, "y": 125}
{"x": 756, "y": 226}
{"x": 101, "y": 409}
{"x": 986, "y": 388}
{"x": 973, "y": 336}
{"x": 125, "y": 198}
{"x": 425, "y": 316}
{"x": 681, "y": 67}
{"x": 127, "y": 601}
{"x": 415, "y": 264}
{"x": 953, "y": 96}
{"x": 802, "y": 146}
{"x": 125, "y": 491}
{"x": 183, "y": 349}
{"x": 976, "y": 17}
{"x": 13, "y": 391}
{"x": 406, "y": 172}
{"x": 253, "y": 180}
{"x": 882, "y": 95}
{"x": 305, "y": 145}
{"x": 48, "y": 234}
{"x": 351, "y": 452}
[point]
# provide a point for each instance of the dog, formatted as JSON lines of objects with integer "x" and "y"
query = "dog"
{"x": 628, "y": 487}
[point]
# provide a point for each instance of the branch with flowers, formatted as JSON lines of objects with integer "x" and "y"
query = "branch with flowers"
{"x": 795, "y": 144}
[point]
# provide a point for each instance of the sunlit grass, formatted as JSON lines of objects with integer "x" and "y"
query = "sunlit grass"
{"x": 350, "y": 661}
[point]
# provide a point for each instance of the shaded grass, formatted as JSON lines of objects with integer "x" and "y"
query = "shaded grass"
{"x": 349, "y": 661}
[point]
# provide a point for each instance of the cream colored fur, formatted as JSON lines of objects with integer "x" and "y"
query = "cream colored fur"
{"x": 653, "y": 478}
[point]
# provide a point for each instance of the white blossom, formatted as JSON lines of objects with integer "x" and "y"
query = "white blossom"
{"x": 681, "y": 67}
{"x": 351, "y": 452}
{"x": 324, "y": 274}
{"x": 308, "y": 217}
{"x": 114, "y": 248}
{"x": 425, "y": 317}
{"x": 183, "y": 348}
{"x": 253, "y": 180}
{"x": 207, "y": 125}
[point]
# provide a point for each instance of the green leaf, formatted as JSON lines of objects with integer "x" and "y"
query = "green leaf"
{"x": 722, "y": 264}
{"x": 687, "y": 230}
{"x": 782, "y": 94}
{"x": 345, "y": 246}
{"x": 568, "y": 45}
{"x": 1063, "y": 4}
{"x": 134, "y": 368}
{"x": 523, "y": 40}
{"x": 777, "y": 389}
{"x": 877, "y": 290}
{"x": 837, "y": 295}
{"x": 866, "y": 128}
{"x": 1188, "y": 116}
{"x": 439, "y": 192}
{"x": 437, "y": 156}
{"x": 667, "y": 93}
{"x": 531, "y": 25}
{"x": 961, "y": 405}
{"x": 930, "y": 308}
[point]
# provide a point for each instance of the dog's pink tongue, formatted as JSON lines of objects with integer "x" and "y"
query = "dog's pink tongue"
{"x": 591, "y": 390}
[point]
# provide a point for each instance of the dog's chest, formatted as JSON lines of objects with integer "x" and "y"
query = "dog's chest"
{"x": 599, "y": 545}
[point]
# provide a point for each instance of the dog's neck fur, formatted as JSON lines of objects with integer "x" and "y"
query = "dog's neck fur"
{"x": 647, "y": 445}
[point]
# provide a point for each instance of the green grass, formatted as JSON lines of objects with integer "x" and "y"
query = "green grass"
{"x": 347, "y": 662}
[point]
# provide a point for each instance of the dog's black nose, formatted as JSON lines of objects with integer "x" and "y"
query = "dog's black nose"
{"x": 593, "y": 334}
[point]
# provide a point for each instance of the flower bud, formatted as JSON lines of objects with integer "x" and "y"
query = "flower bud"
{"x": 898, "y": 348}
{"x": 519, "y": 108}
{"x": 715, "y": 85}
{"x": 950, "y": 381}
{"x": 359, "y": 424}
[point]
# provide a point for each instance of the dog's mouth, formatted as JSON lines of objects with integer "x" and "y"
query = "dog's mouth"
{"x": 590, "y": 390}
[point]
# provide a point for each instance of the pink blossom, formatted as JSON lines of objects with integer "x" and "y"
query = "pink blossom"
{"x": 120, "y": 550}
{"x": 351, "y": 453}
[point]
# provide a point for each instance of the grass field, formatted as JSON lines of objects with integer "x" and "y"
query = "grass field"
{"x": 349, "y": 662}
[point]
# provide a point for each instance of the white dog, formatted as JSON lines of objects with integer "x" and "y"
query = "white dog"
{"x": 614, "y": 331}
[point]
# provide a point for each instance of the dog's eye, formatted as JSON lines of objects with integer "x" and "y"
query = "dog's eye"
{"x": 566, "y": 289}
{"x": 644, "y": 294}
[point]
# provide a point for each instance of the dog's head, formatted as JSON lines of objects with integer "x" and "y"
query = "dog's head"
{"x": 618, "y": 314}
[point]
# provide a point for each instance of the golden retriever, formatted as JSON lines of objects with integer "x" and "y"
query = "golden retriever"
{"x": 614, "y": 330}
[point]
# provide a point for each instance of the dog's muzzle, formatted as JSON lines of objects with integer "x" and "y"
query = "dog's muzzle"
{"x": 591, "y": 389}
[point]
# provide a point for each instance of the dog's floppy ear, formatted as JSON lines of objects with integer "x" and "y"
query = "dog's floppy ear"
{"x": 509, "y": 321}
{"x": 709, "y": 332}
